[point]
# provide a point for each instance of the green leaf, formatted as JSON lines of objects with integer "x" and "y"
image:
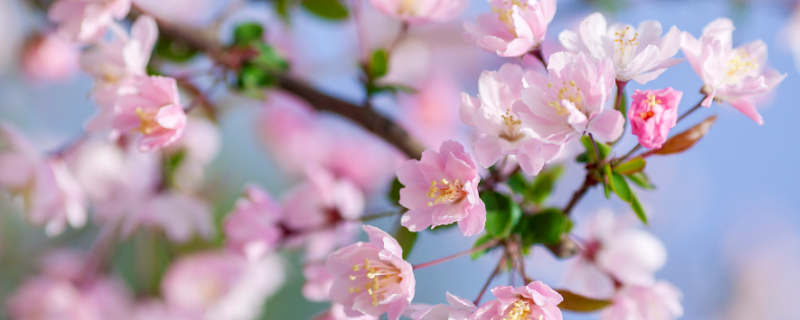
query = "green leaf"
{"x": 543, "y": 184}
{"x": 269, "y": 59}
{"x": 582, "y": 157}
{"x": 502, "y": 214}
{"x": 632, "y": 166}
{"x": 394, "y": 194}
{"x": 578, "y": 303}
{"x": 591, "y": 153}
{"x": 252, "y": 79}
{"x": 406, "y": 239}
{"x": 282, "y": 8}
{"x": 481, "y": 241}
{"x": 170, "y": 165}
{"x": 608, "y": 182}
{"x": 641, "y": 180}
{"x": 390, "y": 88}
{"x": 379, "y": 64}
{"x": 621, "y": 188}
{"x": 327, "y": 9}
{"x": 543, "y": 227}
{"x": 247, "y": 34}
{"x": 637, "y": 208}
{"x": 175, "y": 50}
{"x": 518, "y": 183}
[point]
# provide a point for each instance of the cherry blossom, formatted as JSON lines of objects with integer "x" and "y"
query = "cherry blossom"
{"x": 109, "y": 62}
{"x": 735, "y": 75}
{"x": 87, "y": 20}
{"x": 371, "y": 278}
{"x": 421, "y": 11}
{"x": 458, "y": 309}
{"x": 253, "y": 228}
{"x": 49, "y": 57}
{"x": 535, "y": 301}
{"x": 513, "y": 28}
{"x": 639, "y": 54}
{"x": 652, "y": 114}
{"x": 153, "y": 109}
{"x": 336, "y": 312}
{"x": 659, "y": 301}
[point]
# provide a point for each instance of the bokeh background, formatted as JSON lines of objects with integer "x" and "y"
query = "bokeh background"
{"x": 728, "y": 210}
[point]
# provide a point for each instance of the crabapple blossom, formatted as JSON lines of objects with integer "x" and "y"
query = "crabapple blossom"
{"x": 639, "y": 54}
{"x": 568, "y": 102}
{"x": 458, "y": 309}
{"x": 535, "y": 301}
{"x": 371, "y": 278}
{"x": 652, "y": 114}
{"x": 109, "y": 62}
{"x": 735, "y": 75}
{"x": 493, "y": 114}
{"x": 49, "y": 57}
{"x": 181, "y": 216}
{"x": 152, "y": 108}
{"x": 253, "y": 228}
{"x": 421, "y": 11}
{"x": 513, "y": 28}
{"x": 220, "y": 286}
{"x": 318, "y": 282}
{"x": 86, "y": 20}
{"x": 659, "y": 301}
{"x": 336, "y": 312}
{"x": 442, "y": 188}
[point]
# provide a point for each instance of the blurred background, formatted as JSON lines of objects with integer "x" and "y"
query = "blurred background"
{"x": 727, "y": 210}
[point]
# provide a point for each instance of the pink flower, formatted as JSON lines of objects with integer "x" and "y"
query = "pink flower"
{"x": 318, "y": 282}
{"x": 492, "y": 113}
{"x": 253, "y": 229}
{"x": 440, "y": 189}
{"x": 371, "y": 278}
{"x": 736, "y": 75}
{"x": 652, "y": 114}
{"x": 614, "y": 251}
{"x": 153, "y": 109}
{"x": 111, "y": 61}
{"x": 180, "y": 216}
{"x": 639, "y": 54}
{"x": 87, "y": 20}
{"x": 198, "y": 147}
{"x": 660, "y": 301}
{"x": 50, "y": 58}
{"x": 52, "y": 196}
{"x": 568, "y": 102}
{"x": 513, "y": 28}
{"x": 216, "y": 285}
{"x": 459, "y": 309}
{"x": 336, "y": 312}
{"x": 421, "y": 11}
{"x": 536, "y": 301}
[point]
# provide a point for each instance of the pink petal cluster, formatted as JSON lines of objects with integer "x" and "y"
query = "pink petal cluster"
{"x": 52, "y": 196}
{"x": 569, "y": 101}
{"x": 371, "y": 278}
{"x": 109, "y": 62}
{"x": 615, "y": 253}
{"x": 181, "y": 216}
{"x": 150, "y": 106}
{"x": 253, "y": 228}
{"x": 659, "y": 301}
{"x": 639, "y": 54}
{"x": 736, "y": 75}
{"x": 318, "y": 282}
{"x": 442, "y": 188}
{"x": 536, "y": 301}
{"x": 513, "y": 28}
{"x": 494, "y": 114}
{"x": 49, "y": 57}
{"x": 421, "y": 11}
{"x": 458, "y": 309}
{"x": 652, "y": 114}
{"x": 217, "y": 285}
{"x": 336, "y": 312}
{"x": 87, "y": 20}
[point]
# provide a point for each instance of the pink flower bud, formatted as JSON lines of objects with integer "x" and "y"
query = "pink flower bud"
{"x": 652, "y": 114}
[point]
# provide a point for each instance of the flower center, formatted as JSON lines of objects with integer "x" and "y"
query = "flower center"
{"x": 626, "y": 42}
{"x": 381, "y": 276}
{"x": 148, "y": 123}
{"x": 446, "y": 193}
{"x": 520, "y": 310}
{"x": 504, "y": 13}
{"x": 569, "y": 91}
{"x": 512, "y": 132}
{"x": 740, "y": 65}
{"x": 651, "y": 102}
{"x": 407, "y": 7}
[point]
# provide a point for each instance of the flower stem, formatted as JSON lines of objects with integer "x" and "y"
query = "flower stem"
{"x": 489, "y": 281}
{"x": 378, "y": 216}
{"x": 484, "y": 246}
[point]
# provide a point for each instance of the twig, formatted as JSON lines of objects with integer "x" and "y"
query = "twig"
{"x": 491, "y": 277}
{"x": 484, "y": 246}
{"x": 587, "y": 183}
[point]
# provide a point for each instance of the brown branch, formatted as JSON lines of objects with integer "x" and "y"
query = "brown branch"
{"x": 587, "y": 183}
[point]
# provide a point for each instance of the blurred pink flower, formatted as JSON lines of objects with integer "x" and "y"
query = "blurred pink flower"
{"x": 371, "y": 277}
{"x": 536, "y": 301}
{"x": 318, "y": 282}
{"x": 493, "y": 114}
{"x": 615, "y": 252}
{"x": 513, "y": 28}
{"x": 87, "y": 20}
{"x": 569, "y": 101}
{"x": 219, "y": 286}
{"x": 336, "y": 312}
{"x": 639, "y": 54}
{"x": 459, "y": 309}
{"x": 440, "y": 189}
{"x": 181, "y": 216}
{"x": 52, "y": 197}
{"x": 431, "y": 115}
{"x": 652, "y": 114}
{"x": 153, "y": 109}
{"x": 253, "y": 228}
{"x": 659, "y": 301}
{"x": 111, "y": 61}
{"x": 198, "y": 147}
{"x": 49, "y": 57}
{"x": 421, "y": 11}
{"x": 736, "y": 75}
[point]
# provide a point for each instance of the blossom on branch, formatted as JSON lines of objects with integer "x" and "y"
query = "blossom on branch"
{"x": 639, "y": 54}
{"x": 652, "y": 114}
{"x": 49, "y": 57}
{"x": 736, "y": 75}
{"x": 458, "y": 309}
{"x": 253, "y": 228}
{"x": 659, "y": 301}
{"x": 109, "y": 62}
{"x": 536, "y": 301}
{"x": 371, "y": 278}
{"x": 513, "y": 28}
{"x": 442, "y": 188}
{"x": 86, "y": 20}
{"x": 421, "y": 11}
